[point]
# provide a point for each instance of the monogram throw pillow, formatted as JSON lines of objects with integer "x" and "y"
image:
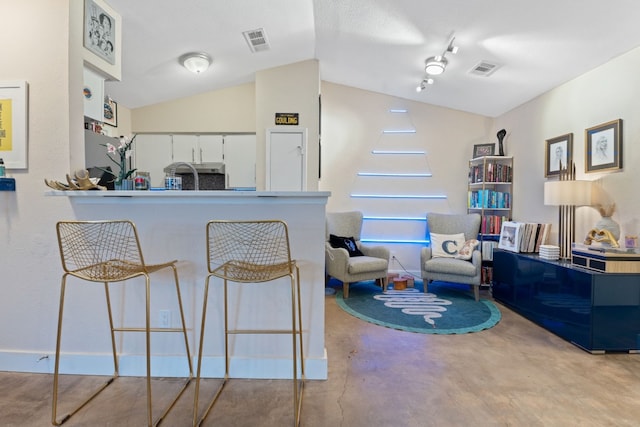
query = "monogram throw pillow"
{"x": 446, "y": 245}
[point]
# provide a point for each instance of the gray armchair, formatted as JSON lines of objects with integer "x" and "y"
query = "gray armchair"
{"x": 452, "y": 269}
{"x": 374, "y": 263}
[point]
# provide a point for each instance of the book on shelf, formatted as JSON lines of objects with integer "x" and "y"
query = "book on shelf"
{"x": 495, "y": 172}
{"x": 487, "y": 249}
{"x": 489, "y": 199}
{"x": 523, "y": 236}
{"x": 492, "y": 224}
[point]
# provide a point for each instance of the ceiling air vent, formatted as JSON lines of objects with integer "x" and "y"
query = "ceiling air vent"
{"x": 257, "y": 40}
{"x": 484, "y": 68}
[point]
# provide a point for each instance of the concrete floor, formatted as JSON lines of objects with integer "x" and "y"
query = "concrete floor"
{"x": 515, "y": 374}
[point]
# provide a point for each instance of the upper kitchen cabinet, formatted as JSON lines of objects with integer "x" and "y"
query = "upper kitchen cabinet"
{"x": 153, "y": 154}
{"x": 197, "y": 148}
{"x": 240, "y": 161}
{"x": 93, "y": 91}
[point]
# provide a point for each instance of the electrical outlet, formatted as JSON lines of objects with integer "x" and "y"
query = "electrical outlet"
{"x": 165, "y": 318}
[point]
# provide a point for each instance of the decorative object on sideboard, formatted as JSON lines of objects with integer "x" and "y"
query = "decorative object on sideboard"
{"x": 80, "y": 182}
{"x": 501, "y": 134}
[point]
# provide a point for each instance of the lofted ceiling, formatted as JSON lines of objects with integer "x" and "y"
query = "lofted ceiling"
{"x": 376, "y": 45}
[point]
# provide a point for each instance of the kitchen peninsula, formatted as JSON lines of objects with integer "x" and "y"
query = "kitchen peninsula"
{"x": 172, "y": 225}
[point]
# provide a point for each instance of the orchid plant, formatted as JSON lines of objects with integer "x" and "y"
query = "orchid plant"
{"x": 119, "y": 155}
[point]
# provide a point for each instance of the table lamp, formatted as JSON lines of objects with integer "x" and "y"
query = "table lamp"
{"x": 567, "y": 195}
{"x": 572, "y": 193}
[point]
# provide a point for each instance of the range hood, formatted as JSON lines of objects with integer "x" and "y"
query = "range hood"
{"x": 201, "y": 168}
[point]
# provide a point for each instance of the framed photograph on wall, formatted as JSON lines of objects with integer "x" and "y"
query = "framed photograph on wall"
{"x": 110, "y": 115}
{"x": 603, "y": 147}
{"x": 558, "y": 154}
{"x": 99, "y": 31}
{"x": 14, "y": 124}
{"x": 480, "y": 150}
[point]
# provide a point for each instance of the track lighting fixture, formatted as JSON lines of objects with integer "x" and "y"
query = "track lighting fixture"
{"x": 423, "y": 84}
{"x": 436, "y": 65}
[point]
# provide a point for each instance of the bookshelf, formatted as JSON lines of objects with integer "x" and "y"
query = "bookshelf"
{"x": 490, "y": 194}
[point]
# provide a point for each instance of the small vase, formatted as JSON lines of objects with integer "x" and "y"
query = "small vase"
{"x": 124, "y": 185}
{"x": 607, "y": 223}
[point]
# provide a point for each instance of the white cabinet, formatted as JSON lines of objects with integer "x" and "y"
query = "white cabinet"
{"x": 153, "y": 154}
{"x": 197, "y": 148}
{"x": 210, "y": 148}
{"x": 184, "y": 148}
{"x": 93, "y": 89}
{"x": 240, "y": 161}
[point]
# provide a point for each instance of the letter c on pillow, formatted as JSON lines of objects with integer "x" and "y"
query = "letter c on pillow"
{"x": 445, "y": 247}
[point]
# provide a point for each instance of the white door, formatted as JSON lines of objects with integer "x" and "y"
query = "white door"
{"x": 286, "y": 159}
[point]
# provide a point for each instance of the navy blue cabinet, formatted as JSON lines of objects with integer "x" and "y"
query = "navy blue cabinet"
{"x": 596, "y": 311}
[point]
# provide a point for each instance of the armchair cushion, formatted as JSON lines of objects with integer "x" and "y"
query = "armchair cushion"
{"x": 446, "y": 245}
{"x": 366, "y": 264}
{"x": 348, "y": 243}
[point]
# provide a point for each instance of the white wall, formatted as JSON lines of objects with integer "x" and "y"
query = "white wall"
{"x": 606, "y": 93}
{"x": 30, "y": 264}
{"x": 352, "y": 125}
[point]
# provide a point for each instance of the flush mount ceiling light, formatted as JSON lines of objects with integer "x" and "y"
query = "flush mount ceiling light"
{"x": 435, "y": 65}
{"x": 196, "y": 62}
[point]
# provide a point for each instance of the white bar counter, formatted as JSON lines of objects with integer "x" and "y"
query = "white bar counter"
{"x": 171, "y": 225}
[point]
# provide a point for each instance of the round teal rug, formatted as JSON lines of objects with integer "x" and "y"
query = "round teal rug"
{"x": 447, "y": 308}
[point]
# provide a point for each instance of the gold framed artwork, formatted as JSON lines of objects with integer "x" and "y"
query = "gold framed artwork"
{"x": 558, "y": 154}
{"x": 603, "y": 147}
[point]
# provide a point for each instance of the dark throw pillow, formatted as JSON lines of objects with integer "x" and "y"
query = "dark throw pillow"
{"x": 347, "y": 243}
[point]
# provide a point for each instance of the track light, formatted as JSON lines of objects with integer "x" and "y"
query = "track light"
{"x": 423, "y": 84}
{"x": 435, "y": 65}
{"x": 196, "y": 62}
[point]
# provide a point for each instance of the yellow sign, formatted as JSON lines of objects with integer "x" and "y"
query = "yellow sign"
{"x": 287, "y": 119}
{"x": 5, "y": 125}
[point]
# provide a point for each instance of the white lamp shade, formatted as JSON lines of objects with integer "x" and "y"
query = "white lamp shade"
{"x": 569, "y": 193}
{"x": 196, "y": 62}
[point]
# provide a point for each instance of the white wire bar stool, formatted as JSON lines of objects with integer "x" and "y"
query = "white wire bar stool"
{"x": 107, "y": 252}
{"x": 251, "y": 252}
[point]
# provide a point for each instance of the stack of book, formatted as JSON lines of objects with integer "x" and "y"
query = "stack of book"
{"x": 523, "y": 236}
{"x": 549, "y": 252}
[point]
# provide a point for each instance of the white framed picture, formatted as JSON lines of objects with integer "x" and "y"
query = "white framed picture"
{"x": 100, "y": 30}
{"x": 510, "y": 236}
{"x": 14, "y": 124}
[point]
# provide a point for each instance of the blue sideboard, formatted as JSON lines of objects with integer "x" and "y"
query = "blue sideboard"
{"x": 596, "y": 311}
